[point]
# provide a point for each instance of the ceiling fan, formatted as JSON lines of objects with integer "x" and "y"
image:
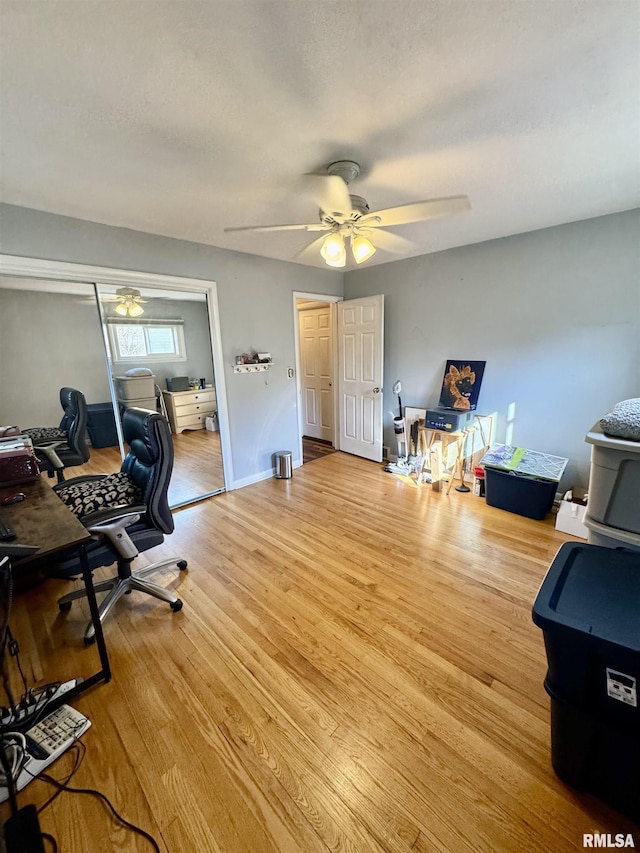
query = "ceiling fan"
{"x": 128, "y": 301}
{"x": 347, "y": 218}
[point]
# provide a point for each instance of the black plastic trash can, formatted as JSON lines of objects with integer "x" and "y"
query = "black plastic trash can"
{"x": 588, "y": 607}
{"x": 101, "y": 425}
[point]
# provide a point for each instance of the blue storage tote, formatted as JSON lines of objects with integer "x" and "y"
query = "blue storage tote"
{"x": 518, "y": 493}
{"x": 520, "y": 480}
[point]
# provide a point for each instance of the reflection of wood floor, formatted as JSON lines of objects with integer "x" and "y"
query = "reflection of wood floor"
{"x": 313, "y": 448}
{"x": 355, "y": 668}
{"x": 197, "y": 467}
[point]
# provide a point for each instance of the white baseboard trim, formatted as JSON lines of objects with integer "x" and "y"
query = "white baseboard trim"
{"x": 257, "y": 478}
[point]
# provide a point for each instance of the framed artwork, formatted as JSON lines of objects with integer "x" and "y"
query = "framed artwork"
{"x": 461, "y": 384}
{"x": 413, "y": 419}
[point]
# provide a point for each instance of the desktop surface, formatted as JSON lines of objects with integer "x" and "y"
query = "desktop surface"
{"x": 42, "y": 520}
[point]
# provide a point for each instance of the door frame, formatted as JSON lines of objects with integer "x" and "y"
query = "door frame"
{"x": 331, "y": 301}
{"x": 24, "y": 267}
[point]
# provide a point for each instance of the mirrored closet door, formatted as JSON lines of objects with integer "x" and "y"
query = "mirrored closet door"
{"x": 55, "y": 334}
{"x": 159, "y": 353}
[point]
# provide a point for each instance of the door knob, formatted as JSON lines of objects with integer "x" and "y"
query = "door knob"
{"x": 377, "y": 390}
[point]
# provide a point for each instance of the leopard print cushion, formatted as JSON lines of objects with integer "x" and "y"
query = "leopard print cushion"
{"x": 113, "y": 490}
{"x": 48, "y": 433}
{"x": 624, "y": 420}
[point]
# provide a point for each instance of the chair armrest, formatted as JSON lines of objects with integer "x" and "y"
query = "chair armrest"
{"x": 47, "y": 442}
{"x": 48, "y": 451}
{"x": 111, "y": 524}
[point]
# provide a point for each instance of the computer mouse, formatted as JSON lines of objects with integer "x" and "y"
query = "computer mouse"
{"x": 13, "y": 499}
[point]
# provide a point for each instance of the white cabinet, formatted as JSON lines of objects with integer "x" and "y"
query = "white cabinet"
{"x": 188, "y": 409}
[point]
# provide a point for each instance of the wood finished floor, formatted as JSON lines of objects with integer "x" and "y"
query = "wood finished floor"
{"x": 313, "y": 448}
{"x": 355, "y": 669}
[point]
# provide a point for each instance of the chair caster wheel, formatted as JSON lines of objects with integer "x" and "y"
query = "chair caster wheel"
{"x": 89, "y": 641}
{"x": 176, "y": 605}
{"x": 64, "y": 605}
{"x": 182, "y": 565}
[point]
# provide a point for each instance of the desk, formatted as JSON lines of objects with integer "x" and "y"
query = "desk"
{"x": 42, "y": 519}
{"x": 427, "y": 438}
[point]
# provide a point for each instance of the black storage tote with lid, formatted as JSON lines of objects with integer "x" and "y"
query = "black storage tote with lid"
{"x": 588, "y": 607}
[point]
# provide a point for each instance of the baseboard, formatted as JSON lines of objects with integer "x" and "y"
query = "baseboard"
{"x": 259, "y": 477}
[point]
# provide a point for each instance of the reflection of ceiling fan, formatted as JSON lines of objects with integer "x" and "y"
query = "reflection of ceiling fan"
{"x": 128, "y": 302}
{"x": 348, "y": 218}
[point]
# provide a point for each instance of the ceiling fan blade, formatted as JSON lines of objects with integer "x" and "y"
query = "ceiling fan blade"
{"x": 389, "y": 242}
{"x": 331, "y": 194}
{"x": 310, "y": 252}
{"x": 418, "y": 211}
{"x": 316, "y": 227}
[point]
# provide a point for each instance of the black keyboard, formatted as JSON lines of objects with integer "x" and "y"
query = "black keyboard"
{"x": 7, "y": 533}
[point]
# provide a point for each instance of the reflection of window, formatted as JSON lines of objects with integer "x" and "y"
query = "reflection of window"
{"x": 152, "y": 340}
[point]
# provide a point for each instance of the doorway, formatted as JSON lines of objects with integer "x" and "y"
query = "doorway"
{"x": 316, "y": 340}
{"x": 339, "y": 355}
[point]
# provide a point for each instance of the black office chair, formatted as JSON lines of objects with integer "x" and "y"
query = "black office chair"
{"x": 64, "y": 446}
{"x": 127, "y": 512}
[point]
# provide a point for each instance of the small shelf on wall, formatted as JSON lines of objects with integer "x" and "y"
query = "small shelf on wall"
{"x": 252, "y": 368}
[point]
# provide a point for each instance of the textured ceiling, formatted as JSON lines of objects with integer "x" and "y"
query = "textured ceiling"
{"x": 182, "y": 118}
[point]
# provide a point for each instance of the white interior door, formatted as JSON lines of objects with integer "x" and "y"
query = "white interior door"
{"x": 360, "y": 358}
{"x": 316, "y": 362}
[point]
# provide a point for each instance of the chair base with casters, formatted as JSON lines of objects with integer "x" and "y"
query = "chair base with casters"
{"x": 122, "y": 584}
{"x": 121, "y": 531}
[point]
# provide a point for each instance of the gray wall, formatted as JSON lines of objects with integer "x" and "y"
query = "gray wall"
{"x": 48, "y": 341}
{"x": 555, "y": 314}
{"x": 256, "y": 310}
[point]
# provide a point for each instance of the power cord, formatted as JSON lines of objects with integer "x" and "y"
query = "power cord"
{"x": 14, "y": 746}
{"x": 79, "y": 750}
{"x": 63, "y": 786}
{"x": 51, "y": 840}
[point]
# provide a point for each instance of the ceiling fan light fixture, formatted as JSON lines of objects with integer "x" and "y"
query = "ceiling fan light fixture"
{"x": 333, "y": 250}
{"x": 135, "y": 310}
{"x": 361, "y": 248}
{"x": 129, "y": 308}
